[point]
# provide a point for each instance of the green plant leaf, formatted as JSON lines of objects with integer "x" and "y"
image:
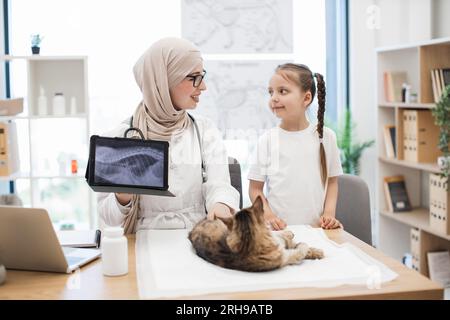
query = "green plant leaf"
{"x": 350, "y": 152}
{"x": 442, "y": 119}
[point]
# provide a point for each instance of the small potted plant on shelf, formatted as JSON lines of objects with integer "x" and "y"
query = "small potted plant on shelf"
{"x": 36, "y": 40}
{"x": 442, "y": 118}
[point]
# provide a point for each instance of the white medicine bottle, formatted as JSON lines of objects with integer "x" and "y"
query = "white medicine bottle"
{"x": 114, "y": 246}
{"x": 73, "y": 106}
{"x": 59, "y": 104}
{"x": 42, "y": 103}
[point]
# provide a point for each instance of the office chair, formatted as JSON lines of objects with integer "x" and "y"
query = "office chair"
{"x": 2, "y": 274}
{"x": 235, "y": 176}
{"x": 353, "y": 207}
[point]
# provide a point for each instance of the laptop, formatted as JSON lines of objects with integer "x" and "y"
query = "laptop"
{"x": 28, "y": 241}
{"x": 127, "y": 165}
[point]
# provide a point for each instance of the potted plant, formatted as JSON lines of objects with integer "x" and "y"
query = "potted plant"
{"x": 36, "y": 40}
{"x": 350, "y": 152}
{"x": 442, "y": 118}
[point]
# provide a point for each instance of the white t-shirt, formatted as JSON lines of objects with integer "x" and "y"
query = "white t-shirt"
{"x": 289, "y": 164}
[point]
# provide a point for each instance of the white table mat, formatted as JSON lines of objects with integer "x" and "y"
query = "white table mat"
{"x": 167, "y": 266}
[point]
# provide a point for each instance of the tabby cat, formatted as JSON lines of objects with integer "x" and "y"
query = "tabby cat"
{"x": 243, "y": 242}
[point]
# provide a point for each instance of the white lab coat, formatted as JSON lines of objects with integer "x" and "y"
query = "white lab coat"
{"x": 185, "y": 182}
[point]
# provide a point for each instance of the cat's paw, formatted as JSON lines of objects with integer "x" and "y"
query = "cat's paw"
{"x": 288, "y": 234}
{"x": 301, "y": 244}
{"x": 314, "y": 253}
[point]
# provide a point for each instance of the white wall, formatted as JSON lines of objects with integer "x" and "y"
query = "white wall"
{"x": 379, "y": 23}
{"x": 441, "y": 23}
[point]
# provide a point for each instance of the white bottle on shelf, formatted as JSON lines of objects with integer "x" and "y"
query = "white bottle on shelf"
{"x": 42, "y": 103}
{"x": 73, "y": 106}
{"x": 59, "y": 104}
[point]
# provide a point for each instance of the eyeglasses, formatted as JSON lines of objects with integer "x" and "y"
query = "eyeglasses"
{"x": 197, "y": 79}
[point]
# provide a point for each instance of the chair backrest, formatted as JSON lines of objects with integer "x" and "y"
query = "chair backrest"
{"x": 235, "y": 176}
{"x": 353, "y": 207}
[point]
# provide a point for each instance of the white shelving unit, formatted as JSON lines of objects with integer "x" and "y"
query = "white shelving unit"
{"x": 400, "y": 232}
{"x": 46, "y": 160}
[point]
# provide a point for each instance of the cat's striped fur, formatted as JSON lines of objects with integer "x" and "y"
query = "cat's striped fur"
{"x": 243, "y": 242}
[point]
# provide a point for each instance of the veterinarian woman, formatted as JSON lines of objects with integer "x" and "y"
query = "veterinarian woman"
{"x": 170, "y": 75}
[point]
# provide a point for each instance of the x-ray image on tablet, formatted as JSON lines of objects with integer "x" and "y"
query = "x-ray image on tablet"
{"x": 128, "y": 165}
{"x": 139, "y": 166}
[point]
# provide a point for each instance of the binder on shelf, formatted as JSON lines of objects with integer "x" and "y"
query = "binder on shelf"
{"x": 434, "y": 86}
{"x": 390, "y": 141}
{"x": 438, "y": 83}
{"x": 440, "y": 78}
{"x": 420, "y": 136}
{"x": 446, "y": 74}
{"x": 439, "y": 200}
{"x": 396, "y": 194}
{"x": 415, "y": 248}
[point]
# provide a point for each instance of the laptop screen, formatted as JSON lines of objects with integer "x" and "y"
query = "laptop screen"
{"x": 129, "y": 162}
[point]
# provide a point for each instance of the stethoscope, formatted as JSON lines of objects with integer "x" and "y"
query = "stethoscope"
{"x": 204, "y": 174}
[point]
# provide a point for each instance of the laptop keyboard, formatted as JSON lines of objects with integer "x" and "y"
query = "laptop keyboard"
{"x": 68, "y": 250}
{"x": 73, "y": 260}
{"x": 75, "y": 256}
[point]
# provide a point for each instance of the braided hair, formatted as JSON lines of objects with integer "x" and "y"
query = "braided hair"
{"x": 304, "y": 78}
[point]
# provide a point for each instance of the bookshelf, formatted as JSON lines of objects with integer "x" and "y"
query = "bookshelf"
{"x": 49, "y": 142}
{"x": 408, "y": 232}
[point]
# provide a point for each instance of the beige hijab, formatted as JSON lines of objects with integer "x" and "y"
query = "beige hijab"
{"x": 162, "y": 66}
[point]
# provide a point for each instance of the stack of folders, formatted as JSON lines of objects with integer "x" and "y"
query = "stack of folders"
{"x": 80, "y": 239}
{"x": 440, "y": 78}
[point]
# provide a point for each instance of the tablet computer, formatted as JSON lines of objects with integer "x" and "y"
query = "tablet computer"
{"x": 128, "y": 165}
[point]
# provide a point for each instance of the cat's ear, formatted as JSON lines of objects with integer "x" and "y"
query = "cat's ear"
{"x": 228, "y": 222}
{"x": 258, "y": 205}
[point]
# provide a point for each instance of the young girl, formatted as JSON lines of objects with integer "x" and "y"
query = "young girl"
{"x": 298, "y": 161}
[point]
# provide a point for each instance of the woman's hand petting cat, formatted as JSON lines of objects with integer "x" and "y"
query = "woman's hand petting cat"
{"x": 329, "y": 222}
{"x": 219, "y": 210}
{"x": 273, "y": 221}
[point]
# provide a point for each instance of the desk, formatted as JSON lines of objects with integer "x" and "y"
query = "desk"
{"x": 93, "y": 285}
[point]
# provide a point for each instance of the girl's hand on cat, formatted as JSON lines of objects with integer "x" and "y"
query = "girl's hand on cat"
{"x": 328, "y": 222}
{"x": 219, "y": 210}
{"x": 273, "y": 221}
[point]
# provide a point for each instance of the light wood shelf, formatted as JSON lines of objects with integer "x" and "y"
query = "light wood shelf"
{"x": 417, "y": 218}
{"x": 428, "y": 167}
{"x": 407, "y": 105}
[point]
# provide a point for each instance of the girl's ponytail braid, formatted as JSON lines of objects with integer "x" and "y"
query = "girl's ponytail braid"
{"x": 320, "y": 123}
